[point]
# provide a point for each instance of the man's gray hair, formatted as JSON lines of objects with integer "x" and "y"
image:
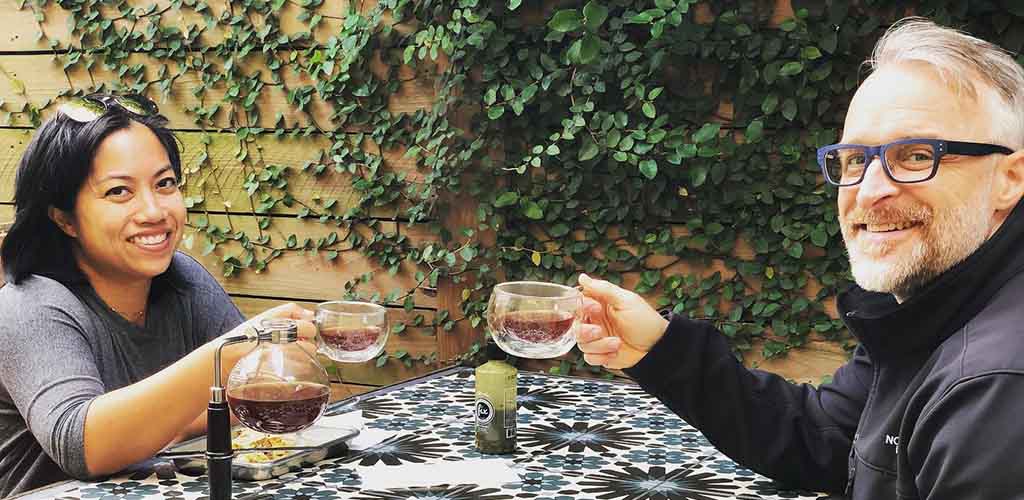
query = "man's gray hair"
{"x": 965, "y": 63}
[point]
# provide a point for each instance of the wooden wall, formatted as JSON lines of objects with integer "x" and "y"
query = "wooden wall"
{"x": 29, "y": 72}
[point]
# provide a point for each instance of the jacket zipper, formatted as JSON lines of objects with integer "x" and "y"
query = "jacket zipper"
{"x": 851, "y": 465}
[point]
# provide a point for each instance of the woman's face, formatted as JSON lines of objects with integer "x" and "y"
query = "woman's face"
{"x": 129, "y": 213}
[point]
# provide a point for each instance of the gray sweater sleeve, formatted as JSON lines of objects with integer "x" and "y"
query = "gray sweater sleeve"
{"x": 42, "y": 329}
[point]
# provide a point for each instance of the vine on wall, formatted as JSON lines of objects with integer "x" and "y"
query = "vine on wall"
{"x": 665, "y": 144}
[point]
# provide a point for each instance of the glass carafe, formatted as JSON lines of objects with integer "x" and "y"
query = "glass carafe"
{"x": 278, "y": 387}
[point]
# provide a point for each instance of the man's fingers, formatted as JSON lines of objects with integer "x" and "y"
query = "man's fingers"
{"x": 607, "y": 345}
{"x": 597, "y": 359}
{"x": 593, "y": 311}
{"x": 602, "y": 291}
{"x": 587, "y": 332}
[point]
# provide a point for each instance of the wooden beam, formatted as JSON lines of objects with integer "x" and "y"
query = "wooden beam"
{"x": 22, "y": 30}
{"x": 38, "y": 79}
{"x": 221, "y": 179}
{"x": 303, "y": 277}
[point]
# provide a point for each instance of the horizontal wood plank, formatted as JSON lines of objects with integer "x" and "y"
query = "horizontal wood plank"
{"x": 220, "y": 180}
{"x": 810, "y": 363}
{"x": 303, "y": 277}
{"x": 417, "y": 341}
{"x": 22, "y": 30}
{"x": 38, "y": 79}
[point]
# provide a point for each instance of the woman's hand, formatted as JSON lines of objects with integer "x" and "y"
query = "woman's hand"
{"x": 619, "y": 326}
{"x": 303, "y": 319}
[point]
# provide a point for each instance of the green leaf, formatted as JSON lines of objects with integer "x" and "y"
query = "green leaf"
{"x": 770, "y": 104}
{"x": 590, "y": 48}
{"x": 698, "y": 175}
{"x": 819, "y": 237}
{"x": 532, "y": 210}
{"x": 514, "y": 4}
{"x": 381, "y": 360}
{"x": 559, "y": 230}
{"x": 755, "y": 130}
{"x": 589, "y": 150}
{"x": 649, "y": 168}
{"x": 707, "y": 132}
{"x": 810, "y": 53}
{"x": 621, "y": 119}
{"x": 594, "y": 15}
{"x": 796, "y": 250}
{"x": 648, "y": 109}
{"x": 565, "y": 21}
{"x": 791, "y": 68}
{"x": 495, "y": 112}
{"x": 507, "y": 198}
{"x": 789, "y": 109}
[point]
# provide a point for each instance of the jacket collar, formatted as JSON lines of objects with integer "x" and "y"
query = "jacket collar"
{"x": 941, "y": 308}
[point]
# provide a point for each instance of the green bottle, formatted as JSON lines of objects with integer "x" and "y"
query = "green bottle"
{"x": 496, "y": 404}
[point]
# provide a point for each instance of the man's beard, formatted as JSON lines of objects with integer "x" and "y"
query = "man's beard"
{"x": 948, "y": 236}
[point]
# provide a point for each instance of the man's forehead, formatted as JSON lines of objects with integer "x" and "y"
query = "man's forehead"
{"x": 908, "y": 100}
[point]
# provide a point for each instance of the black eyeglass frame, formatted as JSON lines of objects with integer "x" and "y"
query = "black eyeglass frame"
{"x": 90, "y": 107}
{"x": 940, "y": 146}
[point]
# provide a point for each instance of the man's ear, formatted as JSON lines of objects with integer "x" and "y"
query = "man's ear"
{"x": 1008, "y": 185}
{"x": 63, "y": 221}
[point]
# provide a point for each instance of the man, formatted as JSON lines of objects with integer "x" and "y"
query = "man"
{"x": 930, "y": 170}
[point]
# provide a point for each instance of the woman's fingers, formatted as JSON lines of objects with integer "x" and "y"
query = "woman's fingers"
{"x": 307, "y": 330}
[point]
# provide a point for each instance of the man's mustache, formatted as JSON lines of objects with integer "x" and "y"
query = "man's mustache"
{"x": 889, "y": 214}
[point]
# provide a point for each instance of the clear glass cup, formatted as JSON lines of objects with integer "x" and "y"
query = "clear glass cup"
{"x": 532, "y": 319}
{"x": 350, "y": 331}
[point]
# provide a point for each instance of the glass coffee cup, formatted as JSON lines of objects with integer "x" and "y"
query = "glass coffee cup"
{"x": 533, "y": 319}
{"x": 351, "y": 331}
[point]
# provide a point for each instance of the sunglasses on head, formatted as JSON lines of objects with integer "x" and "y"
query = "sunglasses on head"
{"x": 88, "y": 108}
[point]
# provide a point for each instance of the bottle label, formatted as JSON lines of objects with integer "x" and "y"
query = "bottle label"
{"x": 484, "y": 411}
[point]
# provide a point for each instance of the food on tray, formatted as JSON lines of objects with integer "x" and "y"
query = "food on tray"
{"x": 244, "y": 438}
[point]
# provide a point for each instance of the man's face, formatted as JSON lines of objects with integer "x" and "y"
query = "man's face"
{"x": 901, "y": 236}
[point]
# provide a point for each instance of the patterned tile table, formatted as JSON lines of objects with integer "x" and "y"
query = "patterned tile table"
{"x": 578, "y": 439}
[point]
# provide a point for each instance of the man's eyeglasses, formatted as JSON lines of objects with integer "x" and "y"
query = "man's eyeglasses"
{"x": 88, "y": 108}
{"x": 905, "y": 161}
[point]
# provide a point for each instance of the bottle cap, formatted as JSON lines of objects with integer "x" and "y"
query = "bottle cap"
{"x": 493, "y": 352}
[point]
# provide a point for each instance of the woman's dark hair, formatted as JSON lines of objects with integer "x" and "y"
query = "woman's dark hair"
{"x": 56, "y": 163}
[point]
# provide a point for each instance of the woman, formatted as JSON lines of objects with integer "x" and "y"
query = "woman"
{"x": 105, "y": 344}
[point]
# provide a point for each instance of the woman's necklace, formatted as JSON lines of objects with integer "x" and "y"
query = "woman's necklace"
{"x": 134, "y": 318}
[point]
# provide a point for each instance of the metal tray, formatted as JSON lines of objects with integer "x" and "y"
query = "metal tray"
{"x": 326, "y": 442}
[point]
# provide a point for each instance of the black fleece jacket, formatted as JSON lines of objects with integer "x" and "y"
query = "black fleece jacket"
{"x": 931, "y": 405}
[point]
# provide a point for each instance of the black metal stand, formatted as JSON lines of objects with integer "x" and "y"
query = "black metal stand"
{"x": 218, "y": 431}
{"x": 218, "y": 450}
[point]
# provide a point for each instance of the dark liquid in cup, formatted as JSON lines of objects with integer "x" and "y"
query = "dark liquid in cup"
{"x": 540, "y": 327}
{"x": 350, "y": 339}
{"x": 278, "y": 407}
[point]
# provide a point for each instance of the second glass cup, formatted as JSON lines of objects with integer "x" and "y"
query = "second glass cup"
{"x": 532, "y": 319}
{"x": 350, "y": 331}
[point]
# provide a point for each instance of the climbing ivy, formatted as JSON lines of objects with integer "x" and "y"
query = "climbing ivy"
{"x": 665, "y": 144}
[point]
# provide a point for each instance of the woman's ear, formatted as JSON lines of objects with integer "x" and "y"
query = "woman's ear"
{"x": 63, "y": 221}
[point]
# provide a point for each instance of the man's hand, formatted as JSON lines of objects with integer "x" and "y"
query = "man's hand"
{"x": 619, "y": 327}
